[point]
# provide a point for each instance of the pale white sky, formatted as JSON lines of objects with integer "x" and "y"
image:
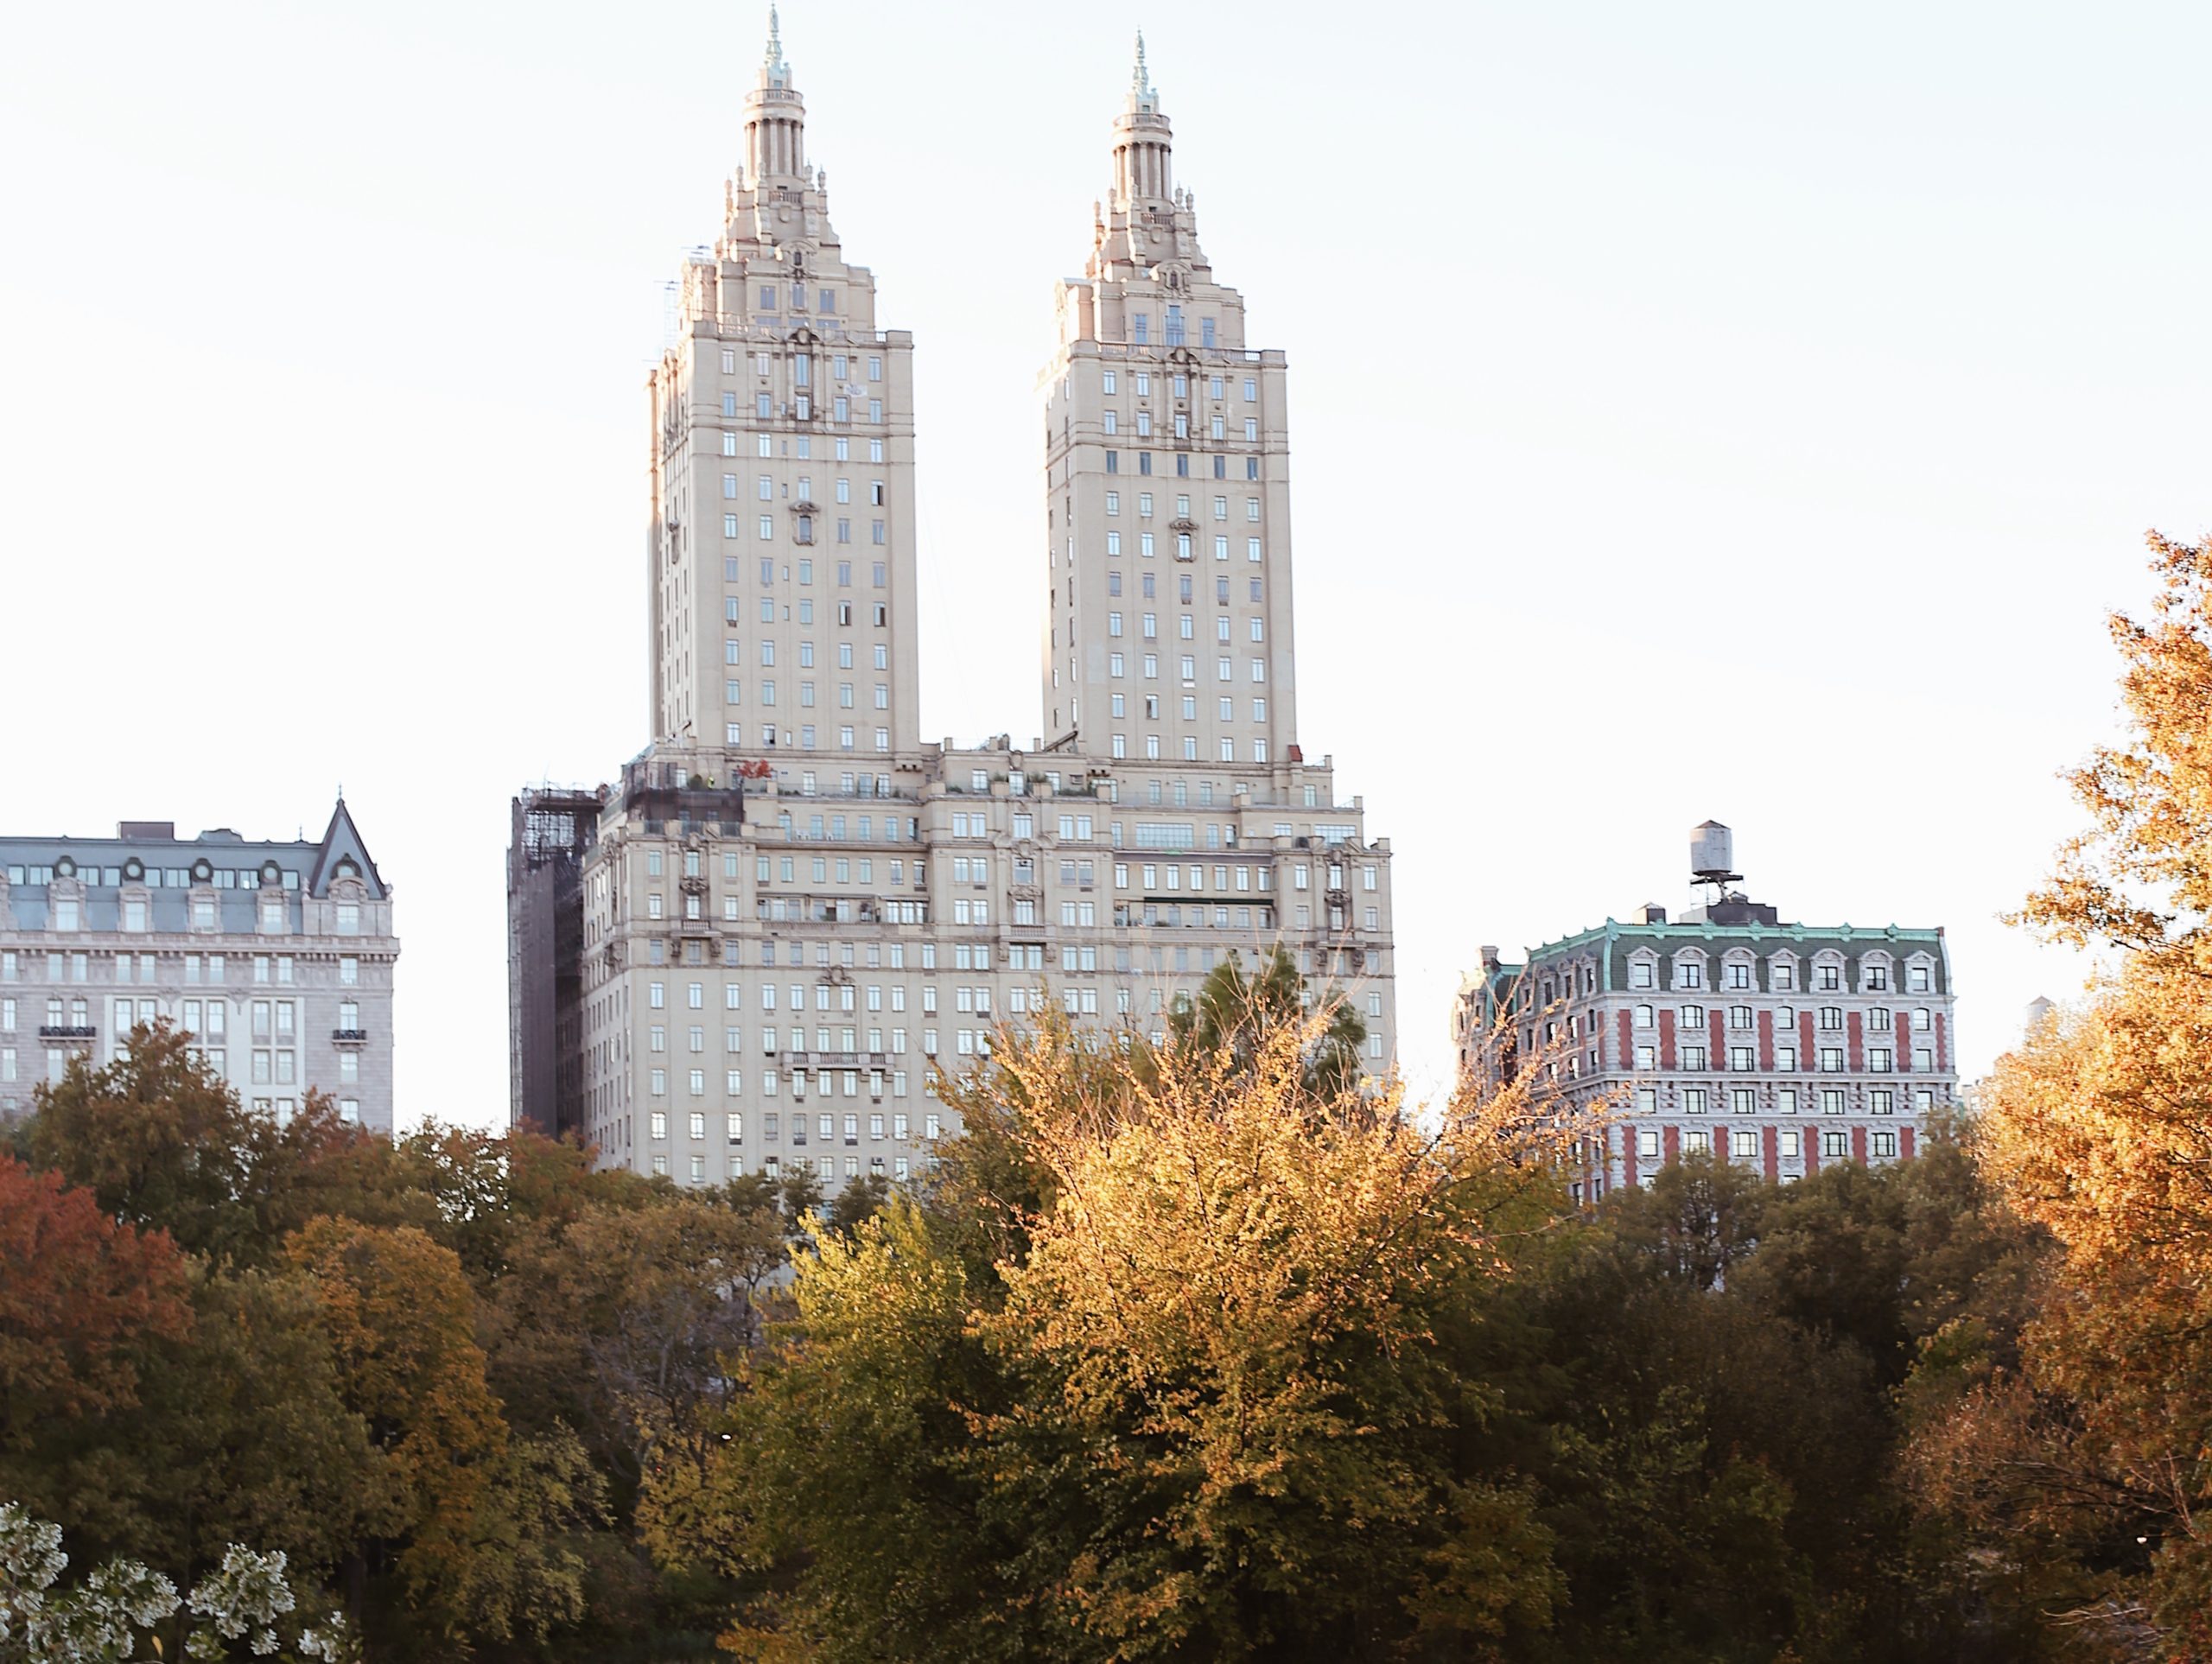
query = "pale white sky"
{"x": 1717, "y": 409}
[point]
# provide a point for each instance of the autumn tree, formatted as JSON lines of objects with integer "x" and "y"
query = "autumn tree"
{"x": 80, "y": 1298}
{"x": 1204, "y": 1413}
{"x": 2081, "y": 1473}
{"x": 158, "y": 1141}
{"x": 401, "y": 1320}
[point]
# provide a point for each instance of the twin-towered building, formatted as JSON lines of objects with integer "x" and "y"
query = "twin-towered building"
{"x": 750, "y": 951}
{"x": 1725, "y": 1032}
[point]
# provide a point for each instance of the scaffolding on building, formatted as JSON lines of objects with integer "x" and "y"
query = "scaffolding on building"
{"x": 553, "y": 829}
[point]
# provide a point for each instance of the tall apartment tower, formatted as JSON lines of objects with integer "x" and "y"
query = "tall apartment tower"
{"x": 795, "y": 916}
{"x": 1167, "y": 485}
{"x": 781, "y": 549}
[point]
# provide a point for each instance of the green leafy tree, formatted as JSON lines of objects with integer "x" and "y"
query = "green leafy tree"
{"x": 1234, "y": 1013}
{"x": 240, "y": 1435}
{"x": 860, "y": 1199}
{"x": 158, "y": 1141}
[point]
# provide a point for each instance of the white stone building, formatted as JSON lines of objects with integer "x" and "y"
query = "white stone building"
{"x": 276, "y": 956}
{"x": 794, "y": 909}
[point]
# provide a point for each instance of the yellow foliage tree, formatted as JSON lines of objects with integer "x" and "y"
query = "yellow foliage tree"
{"x": 2097, "y": 1455}
{"x": 1207, "y": 1407}
{"x": 401, "y": 1318}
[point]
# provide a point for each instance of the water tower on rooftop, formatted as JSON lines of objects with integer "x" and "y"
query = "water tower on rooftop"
{"x": 1713, "y": 855}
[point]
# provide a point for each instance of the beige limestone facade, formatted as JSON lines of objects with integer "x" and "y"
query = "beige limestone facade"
{"x": 796, "y": 914}
{"x": 780, "y": 546}
{"x": 1167, "y": 481}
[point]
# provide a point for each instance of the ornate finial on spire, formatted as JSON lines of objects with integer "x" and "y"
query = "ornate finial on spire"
{"x": 771, "y": 61}
{"x": 1140, "y": 77}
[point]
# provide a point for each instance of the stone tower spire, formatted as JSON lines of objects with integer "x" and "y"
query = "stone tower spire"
{"x": 775, "y": 119}
{"x": 1143, "y": 143}
{"x": 778, "y": 74}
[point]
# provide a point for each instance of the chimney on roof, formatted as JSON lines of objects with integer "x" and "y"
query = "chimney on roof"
{"x": 146, "y": 831}
{"x": 1489, "y": 956}
{"x": 1650, "y": 914}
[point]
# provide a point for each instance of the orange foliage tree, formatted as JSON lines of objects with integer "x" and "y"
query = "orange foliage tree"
{"x": 79, "y": 1295}
{"x": 2089, "y": 1466}
{"x": 401, "y": 1318}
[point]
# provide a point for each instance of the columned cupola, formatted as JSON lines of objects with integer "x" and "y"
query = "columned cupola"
{"x": 775, "y": 120}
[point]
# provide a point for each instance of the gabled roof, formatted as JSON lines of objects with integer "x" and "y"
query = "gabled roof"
{"x": 341, "y": 839}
